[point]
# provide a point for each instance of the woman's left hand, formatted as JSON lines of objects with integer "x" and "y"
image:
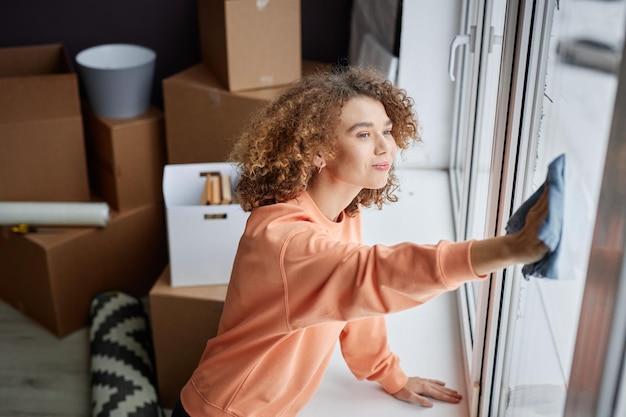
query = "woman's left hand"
{"x": 417, "y": 389}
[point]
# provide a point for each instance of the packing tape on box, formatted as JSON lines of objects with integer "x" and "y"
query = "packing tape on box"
{"x": 54, "y": 213}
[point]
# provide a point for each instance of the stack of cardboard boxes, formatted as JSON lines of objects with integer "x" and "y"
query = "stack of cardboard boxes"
{"x": 55, "y": 149}
{"x": 50, "y": 149}
{"x": 250, "y": 50}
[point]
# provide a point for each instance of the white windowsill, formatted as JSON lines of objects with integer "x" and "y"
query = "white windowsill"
{"x": 427, "y": 339}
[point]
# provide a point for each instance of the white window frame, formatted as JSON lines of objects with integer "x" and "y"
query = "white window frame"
{"x": 521, "y": 83}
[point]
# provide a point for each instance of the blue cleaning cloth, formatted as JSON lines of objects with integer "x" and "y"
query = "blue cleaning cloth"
{"x": 552, "y": 227}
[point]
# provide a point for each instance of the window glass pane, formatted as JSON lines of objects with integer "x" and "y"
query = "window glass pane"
{"x": 584, "y": 52}
{"x": 475, "y": 104}
{"x": 483, "y": 139}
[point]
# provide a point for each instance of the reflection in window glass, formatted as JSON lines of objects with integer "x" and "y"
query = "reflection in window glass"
{"x": 585, "y": 47}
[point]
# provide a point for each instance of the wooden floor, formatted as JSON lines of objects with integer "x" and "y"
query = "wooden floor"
{"x": 40, "y": 374}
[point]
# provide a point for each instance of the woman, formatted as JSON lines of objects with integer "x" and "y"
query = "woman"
{"x": 302, "y": 279}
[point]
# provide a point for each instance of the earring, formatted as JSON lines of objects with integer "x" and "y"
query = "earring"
{"x": 319, "y": 169}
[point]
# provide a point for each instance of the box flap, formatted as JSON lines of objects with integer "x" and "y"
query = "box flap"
{"x": 37, "y": 82}
{"x": 20, "y": 61}
{"x": 197, "y": 76}
{"x": 183, "y": 183}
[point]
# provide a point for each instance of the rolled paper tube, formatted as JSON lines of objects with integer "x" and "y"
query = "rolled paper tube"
{"x": 54, "y": 213}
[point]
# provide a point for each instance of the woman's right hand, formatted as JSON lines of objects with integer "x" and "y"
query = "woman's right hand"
{"x": 527, "y": 246}
{"x": 523, "y": 247}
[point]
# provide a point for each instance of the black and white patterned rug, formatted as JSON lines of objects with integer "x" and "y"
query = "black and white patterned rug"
{"x": 123, "y": 378}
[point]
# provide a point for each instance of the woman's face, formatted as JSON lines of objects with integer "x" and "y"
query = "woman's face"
{"x": 365, "y": 147}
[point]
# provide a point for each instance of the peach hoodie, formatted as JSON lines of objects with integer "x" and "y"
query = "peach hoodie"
{"x": 300, "y": 283}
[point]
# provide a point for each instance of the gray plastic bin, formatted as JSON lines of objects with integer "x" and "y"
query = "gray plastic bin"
{"x": 117, "y": 79}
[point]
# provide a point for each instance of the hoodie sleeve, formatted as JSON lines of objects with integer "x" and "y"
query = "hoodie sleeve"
{"x": 326, "y": 280}
{"x": 366, "y": 352}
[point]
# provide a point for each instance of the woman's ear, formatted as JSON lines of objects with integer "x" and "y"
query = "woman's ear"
{"x": 319, "y": 161}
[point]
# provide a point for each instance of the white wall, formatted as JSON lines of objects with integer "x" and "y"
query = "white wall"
{"x": 428, "y": 28}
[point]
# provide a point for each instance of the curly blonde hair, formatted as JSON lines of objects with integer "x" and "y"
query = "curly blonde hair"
{"x": 275, "y": 152}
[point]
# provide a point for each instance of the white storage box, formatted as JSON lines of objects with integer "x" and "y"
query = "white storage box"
{"x": 202, "y": 239}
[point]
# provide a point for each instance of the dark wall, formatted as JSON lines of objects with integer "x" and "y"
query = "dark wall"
{"x": 169, "y": 27}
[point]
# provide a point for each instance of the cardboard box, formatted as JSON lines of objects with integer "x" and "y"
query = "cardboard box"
{"x": 182, "y": 321}
{"x": 41, "y": 129}
{"x": 202, "y": 117}
{"x": 126, "y": 158}
{"x": 52, "y": 275}
{"x": 251, "y": 44}
{"x": 202, "y": 239}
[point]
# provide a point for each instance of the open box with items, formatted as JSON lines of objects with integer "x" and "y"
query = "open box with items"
{"x": 202, "y": 238}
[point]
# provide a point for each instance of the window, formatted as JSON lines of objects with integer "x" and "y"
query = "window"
{"x": 555, "y": 94}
